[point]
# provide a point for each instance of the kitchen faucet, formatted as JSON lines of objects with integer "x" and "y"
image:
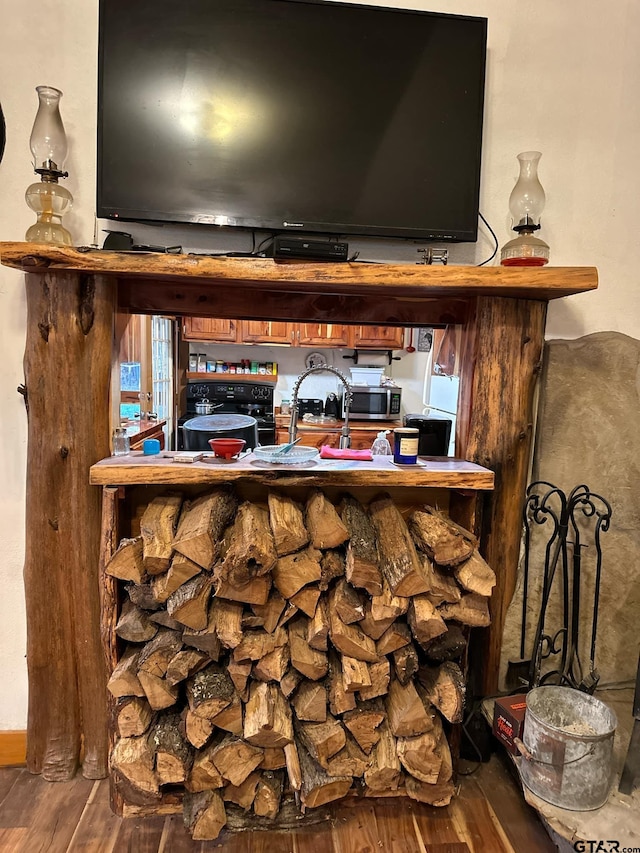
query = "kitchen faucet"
{"x": 345, "y": 438}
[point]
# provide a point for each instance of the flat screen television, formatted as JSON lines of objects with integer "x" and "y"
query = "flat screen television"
{"x": 291, "y": 116}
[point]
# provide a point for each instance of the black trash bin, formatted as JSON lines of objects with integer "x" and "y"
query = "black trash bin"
{"x": 196, "y": 432}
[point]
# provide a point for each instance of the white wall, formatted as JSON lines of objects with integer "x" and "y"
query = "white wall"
{"x": 562, "y": 78}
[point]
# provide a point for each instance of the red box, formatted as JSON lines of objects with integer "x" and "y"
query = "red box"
{"x": 508, "y": 719}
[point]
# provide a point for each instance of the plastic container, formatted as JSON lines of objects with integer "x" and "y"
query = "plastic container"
{"x": 568, "y": 748}
{"x": 273, "y": 453}
{"x": 405, "y": 445}
{"x": 366, "y": 375}
{"x": 150, "y": 446}
{"x": 381, "y": 446}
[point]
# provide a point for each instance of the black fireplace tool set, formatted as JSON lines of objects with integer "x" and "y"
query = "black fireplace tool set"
{"x": 571, "y": 523}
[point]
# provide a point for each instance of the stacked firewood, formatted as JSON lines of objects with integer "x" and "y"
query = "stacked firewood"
{"x": 278, "y": 650}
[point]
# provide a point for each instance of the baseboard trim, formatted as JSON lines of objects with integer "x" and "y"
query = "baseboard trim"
{"x": 13, "y": 748}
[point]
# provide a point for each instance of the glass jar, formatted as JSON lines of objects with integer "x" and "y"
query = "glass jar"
{"x": 120, "y": 442}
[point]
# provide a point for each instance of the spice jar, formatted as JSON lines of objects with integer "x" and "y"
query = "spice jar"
{"x": 120, "y": 442}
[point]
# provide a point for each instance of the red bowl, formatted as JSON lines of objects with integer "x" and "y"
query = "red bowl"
{"x": 227, "y": 448}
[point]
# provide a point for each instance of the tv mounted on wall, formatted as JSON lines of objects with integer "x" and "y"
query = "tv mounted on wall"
{"x": 291, "y": 116}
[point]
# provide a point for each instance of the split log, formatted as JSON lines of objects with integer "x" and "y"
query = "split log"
{"x": 256, "y": 644}
{"x": 292, "y": 760}
{"x": 294, "y": 571}
{"x": 472, "y": 610}
{"x": 185, "y": 664}
{"x": 434, "y": 795}
{"x": 226, "y": 617}
{"x": 306, "y": 600}
{"x": 242, "y": 795}
{"x": 268, "y": 795}
{"x": 310, "y": 702}
{"x": 425, "y": 621}
{"x": 251, "y": 552}
{"x": 445, "y": 689}
{"x": 449, "y": 646}
{"x": 204, "y": 775}
{"x": 406, "y": 713}
{"x": 254, "y": 592}
{"x": 395, "y": 637}
{"x": 442, "y": 586}
{"x": 440, "y": 538}
{"x": 172, "y": 753}
{"x": 363, "y": 723}
{"x": 289, "y": 612}
{"x": 318, "y": 787}
{"x": 419, "y": 757}
{"x": 287, "y": 524}
{"x": 273, "y": 666}
{"x": 202, "y": 524}
{"x": 197, "y": 729}
{"x": 210, "y": 691}
{"x": 349, "y": 604}
{"x": 204, "y": 815}
{"x": 384, "y": 771}
{"x": 350, "y": 640}
{"x": 230, "y": 719}
{"x": 161, "y": 617}
{"x": 124, "y": 679}
{"x": 142, "y": 594}
{"x": 270, "y": 612}
{"x": 206, "y": 639}
{"x": 380, "y": 672}
{"x": 355, "y": 674}
{"x": 332, "y": 565}
{"x": 267, "y": 719}
{"x": 475, "y": 575}
{"x": 239, "y": 671}
{"x": 133, "y": 716}
{"x": 350, "y": 761}
{"x": 322, "y": 740}
{"x": 290, "y": 680}
{"x": 323, "y": 522}
{"x": 382, "y": 611}
{"x": 126, "y": 563}
{"x": 310, "y": 662}
{"x": 339, "y": 700}
{"x": 399, "y": 562}
{"x": 405, "y": 663}
{"x": 361, "y": 568}
{"x": 189, "y": 604}
{"x": 180, "y": 571}
{"x": 235, "y": 759}
{"x": 158, "y": 691}
{"x": 318, "y": 627}
{"x": 158, "y": 526}
{"x": 132, "y": 758}
{"x": 157, "y": 653}
{"x": 274, "y": 759}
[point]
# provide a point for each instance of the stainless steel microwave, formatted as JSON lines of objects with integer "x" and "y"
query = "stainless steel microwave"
{"x": 374, "y": 403}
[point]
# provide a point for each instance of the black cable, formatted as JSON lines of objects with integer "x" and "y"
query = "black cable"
{"x": 492, "y": 232}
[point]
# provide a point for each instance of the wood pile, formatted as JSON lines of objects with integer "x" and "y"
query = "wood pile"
{"x": 280, "y": 650}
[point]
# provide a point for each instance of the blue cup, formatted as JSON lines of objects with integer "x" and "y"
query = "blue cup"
{"x": 405, "y": 445}
{"x": 150, "y": 446}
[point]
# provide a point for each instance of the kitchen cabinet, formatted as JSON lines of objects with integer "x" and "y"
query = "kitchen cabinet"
{"x": 377, "y": 337}
{"x": 322, "y": 335}
{"x": 267, "y": 332}
{"x": 211, "y": 329}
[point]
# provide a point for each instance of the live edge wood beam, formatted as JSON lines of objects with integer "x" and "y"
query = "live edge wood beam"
{"x": 72, "y": 298}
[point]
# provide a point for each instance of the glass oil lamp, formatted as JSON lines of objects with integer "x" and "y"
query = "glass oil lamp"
{"x": 48, "y": 199}
{"x": 526, "y": 204}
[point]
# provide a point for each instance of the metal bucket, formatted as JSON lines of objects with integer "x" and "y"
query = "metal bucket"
{"x": 568, "y": 748}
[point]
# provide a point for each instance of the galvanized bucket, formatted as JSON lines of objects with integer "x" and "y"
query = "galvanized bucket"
{"x": 567, "y": 748}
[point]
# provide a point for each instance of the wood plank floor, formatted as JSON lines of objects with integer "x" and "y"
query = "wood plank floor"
{"x": 488, "y": 816}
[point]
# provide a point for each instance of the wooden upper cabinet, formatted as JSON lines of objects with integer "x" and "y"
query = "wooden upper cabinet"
{"x": 267, "y": 332}
{"x": 211, "y": 329}
{"x": 322, "y": 334}
{"x": 378, "y": 337}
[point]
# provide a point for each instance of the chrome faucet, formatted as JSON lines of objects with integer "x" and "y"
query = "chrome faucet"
{"x": 345, "y": 438}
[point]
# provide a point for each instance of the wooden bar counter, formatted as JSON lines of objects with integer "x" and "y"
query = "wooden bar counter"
{"x": 72, "y": 299}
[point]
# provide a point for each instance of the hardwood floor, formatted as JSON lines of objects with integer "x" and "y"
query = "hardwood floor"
{"x": 488, "y": 816}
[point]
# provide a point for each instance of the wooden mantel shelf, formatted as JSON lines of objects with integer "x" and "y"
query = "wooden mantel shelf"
{"x": 404, "y": 294}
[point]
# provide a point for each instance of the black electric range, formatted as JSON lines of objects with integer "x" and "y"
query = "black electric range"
{"x": 239, "y": 398}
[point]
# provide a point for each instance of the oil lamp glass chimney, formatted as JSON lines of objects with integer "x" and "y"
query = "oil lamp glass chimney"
{"x": 526, "y": 204}
{"x": 48, "y": 144}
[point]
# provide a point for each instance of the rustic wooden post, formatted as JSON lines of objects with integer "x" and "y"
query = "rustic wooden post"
{"x": 503, "y": 343}
{"x": 67, "y": 368}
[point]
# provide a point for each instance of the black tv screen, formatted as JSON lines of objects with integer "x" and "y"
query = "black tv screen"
{"x": 291, "y": 116}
